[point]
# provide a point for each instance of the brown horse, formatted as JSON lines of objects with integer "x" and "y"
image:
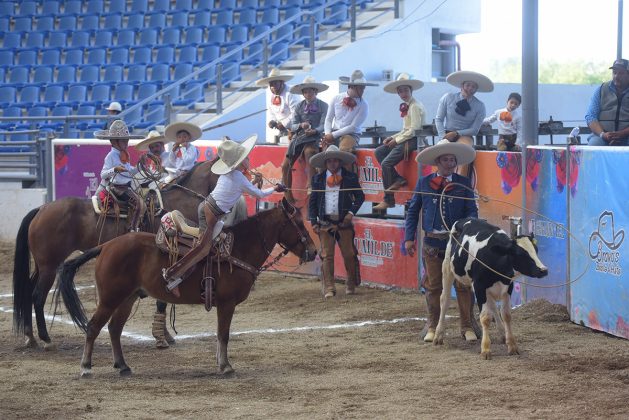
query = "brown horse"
{"x": 132, "y": 262}
{"x": 53, "y": 231}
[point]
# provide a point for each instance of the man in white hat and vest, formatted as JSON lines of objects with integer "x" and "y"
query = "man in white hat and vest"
{"x": 232, "y": 165}
{"x": 280, "y": 103}
{"x": 306, "y": 129}
{"x": 113, "y": 109}
{"x": 398, "y": 146}
{"x": 336, "y": 196}
{"x": 460, "y": 114}
{"x": 184, "y": 154}
{"x": 117, "y": 172}
{"x": 153, "y": 145}
{"x": 346, "y": 114}
{"x": 438, "y": 216}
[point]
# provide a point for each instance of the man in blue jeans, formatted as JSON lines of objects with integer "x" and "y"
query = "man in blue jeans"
{"x": 608, "y": 112}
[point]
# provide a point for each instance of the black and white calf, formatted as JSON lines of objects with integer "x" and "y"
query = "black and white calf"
{"x": 491, "y": 245}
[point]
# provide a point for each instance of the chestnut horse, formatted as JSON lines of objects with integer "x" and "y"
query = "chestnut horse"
{"x": 132, "y": 262}
{"x": 53, "y": 231}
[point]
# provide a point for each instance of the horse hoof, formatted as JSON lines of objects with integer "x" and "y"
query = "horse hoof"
{"x": 86, "y": 374}
{"x": 161, "y": 344}
{"x": 50, "y": 347}
{"x": 227, "y": 370}
{"x": 30, "y": 342}
{"x": 125, "y": 372}
{"x": 486, "y": 356}
{"x": 513, "y": 351}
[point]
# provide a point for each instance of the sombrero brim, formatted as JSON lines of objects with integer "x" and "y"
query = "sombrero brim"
{"x": 392, "y": 86}
{"x": 170, "y": 134}
{"x": 356, "y": 83}
{"x": 464, "y": 153}
{"x": 221, "y": 168}
{"x": 458, "y": 77}
{"x": 104, "y": 135}
{"x": 318, "y": 160}
{"x": 298, "y": 88}
{"x": 144, "y": 144}
{"x": 266, "y": 80}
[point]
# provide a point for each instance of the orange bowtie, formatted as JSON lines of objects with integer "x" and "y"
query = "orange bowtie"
{"x": 334, "y": 180}
{"x": 439, "y": 182}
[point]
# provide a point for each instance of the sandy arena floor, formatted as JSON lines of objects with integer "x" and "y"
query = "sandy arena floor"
{"x": 297, "y": 356}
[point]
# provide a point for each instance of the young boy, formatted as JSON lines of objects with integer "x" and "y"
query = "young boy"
{"x": 509, "y": 124}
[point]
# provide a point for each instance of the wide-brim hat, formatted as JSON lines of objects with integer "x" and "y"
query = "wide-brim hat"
{"x": 403, "y": 79}
{"x": 170, "y": 133}
{"x": 309, "y": 83}
{"x": 332, "y": 152}
{"x": 114, "y": 106}
{"x": 118, "y": 130}
{"x": 231, "y": 154}
{"x": 464, "y": 152}
{"x": 356, "y": 79}
{"x": 458, "y": 77}
{"x": 274, "y": 74}
{"x": 152, "y": 137}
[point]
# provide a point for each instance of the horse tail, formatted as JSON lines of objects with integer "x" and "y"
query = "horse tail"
{"x": 67, "y": 289}
{"x": 23, "y": 282}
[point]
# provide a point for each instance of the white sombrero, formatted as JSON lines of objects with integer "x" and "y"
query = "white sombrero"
{"x": 464, "y": 152}
{"x": 118, "y": 130}
{"x": 170, "y": 134}
{"x": 332, "y": 152}
{"x": 357, "y": 79}
{"x": 403, "y": 79}
{"x": 232, "y": 154}
{"x": 274, "y": 74}
{"x": 152, "y": 137}
{"x": 458, "y": 77}
{"x": 309, "y": 82}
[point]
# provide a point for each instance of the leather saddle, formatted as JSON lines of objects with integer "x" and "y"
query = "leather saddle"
{"x": 114, "y": 207}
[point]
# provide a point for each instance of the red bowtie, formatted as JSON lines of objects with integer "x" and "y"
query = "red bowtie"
{"x": 349, "y": 102}
{"x": 334, "y": 180}
{"x": 277, "y": 100}
{"x": 439, "y": 182}
{"x": 403, "y": 109}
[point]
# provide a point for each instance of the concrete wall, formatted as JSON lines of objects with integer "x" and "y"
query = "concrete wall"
{"x": 15, "y": 202}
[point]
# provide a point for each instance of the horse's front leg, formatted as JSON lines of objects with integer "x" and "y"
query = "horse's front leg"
{"x": 116, "y": 324}
{"x": 225, "y": 312}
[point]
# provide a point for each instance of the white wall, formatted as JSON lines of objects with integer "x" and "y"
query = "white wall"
{"x": 15, "y": 203}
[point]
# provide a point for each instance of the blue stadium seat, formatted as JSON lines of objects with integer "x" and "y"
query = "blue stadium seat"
{"x": 270, "y": 15}
{"x": 85, "y": 110}
{"x": 232, "y": 46}
{"x": 44, "y": 23}
{"x": 136, "y": 73}
{"x": 183, "y": 5}
{"x": 142, "y": 55}
{"x": 338, "y": 14}
{"x": 139, "y": 6}
{"x": 227, "y": 4}
{"x": 73, "y": 56}
{"x": 50, "y": 7}
{"x": 148, "y": 36}
{"x": 100, "y": 95}
{"x": 6, "y": 58}
{"x": 171, "y": 36}
{"x": 113, "y": 73}
{"x": 97, "y": 55}
{"x": 126, "y": 37}
{"x": 67, "y": 22}
{"x": 77, "y": 95}
{"x": 239, "y": 33}
{"x": 249, "y": 3}
{"x": 2, "y": 74}
{"x": 134, "y": 116}
{"x": 95, "y": 6}
{"x": 247, "y": 15}
{"x": 145, "y": 90}
{"x": 90, "y": 73}
{"x": 43, "y": 74}
{"x": 202, "y": 18}
{"x": 161, "y": 5}
{"x": 7, "y": 96}
{"x": 27, "y": 57}
{"x": 35, "y": 39}
{"x": 188, "y": 54}
{"x": 179, "y": 18}
{"x": 206, "y": 4}
{"x": 270, "y": 3}
{"x": 192, "y": 92}
{"x": 66, "y": 73}
{"x": 154, "y": 115}
{"x": 81, "y": 38}
{"x": 119, "y": 55}
{"x": 231, "y": 71}
{"x": 208, "y": 75}
{"x": 173, "y": 90}
{"x": 57, "y": 111}
{"x": 165, "y": 54}
{"x": 117, "y": 6}
{"x": 113, "y": 21}
{"x": 261, "y": 28}
{"x": 279, "y": 53}
{"x": 285, "y": 33}
{"x": 194, "y": 34}
{"x": 57, "y": 39}
{"x": 27, "y": 8}
{"x": 299, "y": 3}
{"x": 12, "y": 40}
{"x": 157, "y": 19}
{"x": 73, "y": 6}
{"x": 5, "y": 23}
{"x": 53, "y": 94}
{"x": 182, "y": 70}
{"x": 7, "y": 8}
{"x": 217, "y": 34}
{"x": 103, "y": 38}
{"x": 19, "y": 75}
{"x": 124, "y": 93}
{"x": 29, "y": 95}
{"x": 254, "y": 54}
{"x": 210, "y": 53}
{"x": 51, "y": 56}
{"x": 160, "y": 72}
{"x": 224, "y": 17}
{"x": 291, "y": 11}
{"x": 11, "y": 111}
{"x": 135, "y": 21}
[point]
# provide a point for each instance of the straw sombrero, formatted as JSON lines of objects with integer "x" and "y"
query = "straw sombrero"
{"x": 231, "y": 154}
{"x": 458, "y": 77}
{"x": 274, "y": 74}
{"x": 309, "y": 82}
{"x": 356, "y": 79}
{"x": 464, "y": 152}
{"x": 170, "y": 134}
{"x": 403, "y": 79}
{"x": 332, "y": 152}
{"x": 118, "y": 130}
{"x": 152, "y": 137}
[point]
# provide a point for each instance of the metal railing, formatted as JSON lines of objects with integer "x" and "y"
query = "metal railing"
{"x": 25, "y": 160}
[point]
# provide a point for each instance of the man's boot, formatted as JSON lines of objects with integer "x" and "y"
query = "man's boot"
{"x": 434, "y": 309}
{"x": 159, "y": 331}
{"x": 465, "y": 303}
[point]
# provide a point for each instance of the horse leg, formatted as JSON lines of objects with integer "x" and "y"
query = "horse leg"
{"x": 287, "y": 178}
{"x": 27, "y": 317}
{"x": 46, "y": 278}
{"x": 94, "y": 326}
{"x": 309, "y": 151}
{"x": 225, "y": 313}
{"x": 116, "y": 324}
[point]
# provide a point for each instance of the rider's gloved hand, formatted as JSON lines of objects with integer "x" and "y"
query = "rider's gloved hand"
{"x": 280, "y": 188}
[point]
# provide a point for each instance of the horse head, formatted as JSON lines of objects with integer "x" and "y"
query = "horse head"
{"x": 295, "y": 238}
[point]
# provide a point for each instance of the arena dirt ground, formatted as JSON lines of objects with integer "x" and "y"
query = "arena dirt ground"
{"x": 378, "y": 370}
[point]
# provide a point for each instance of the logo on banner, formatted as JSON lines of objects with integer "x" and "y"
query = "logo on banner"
{"x": 547, "y": 229}
{"x": 371, "y": 251}
{"x": 605, "y": 243}
{"x": 370, "y": 177}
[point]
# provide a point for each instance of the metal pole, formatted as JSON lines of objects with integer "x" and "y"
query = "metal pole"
{"x": 619, "y": 42}
{"x": 219, "y": 89}
{"x": 396, "y": 6}
{"x": 530, "y": 111}
{"x": 353, "y": 22}
{"x": 265, "y": 57}
{"x": 49, "y": 165}
{"x": 312, "y": 39}
{"x": 568, "y": 224}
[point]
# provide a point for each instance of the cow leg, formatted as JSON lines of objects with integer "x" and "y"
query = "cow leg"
{"x": 447, "y": 279}
{"x": 485, "y": 320}
{"x": 506, "y": 317}
{"x": 225, "y": 312}
{"x": 116, "y": 324}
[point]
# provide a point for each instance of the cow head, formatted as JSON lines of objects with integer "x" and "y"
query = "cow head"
{"x": 522, "y": 253}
